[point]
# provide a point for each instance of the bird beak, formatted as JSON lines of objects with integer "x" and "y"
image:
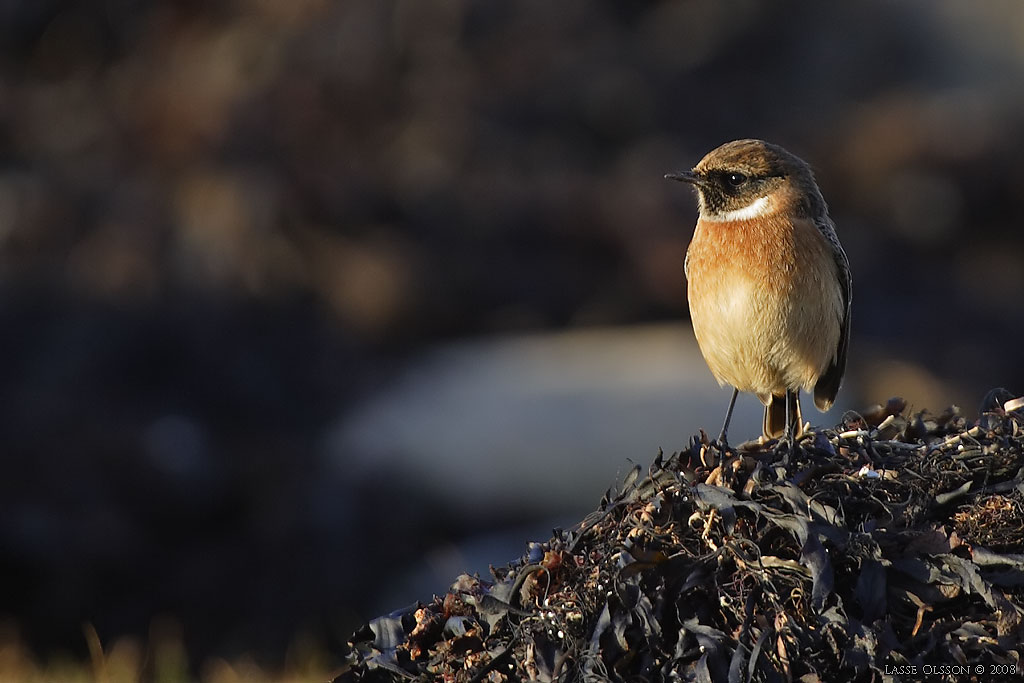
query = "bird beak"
{"x": 686, "y": 177}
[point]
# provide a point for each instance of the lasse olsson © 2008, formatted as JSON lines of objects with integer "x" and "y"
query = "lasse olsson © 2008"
{"x": 952, "y": 670}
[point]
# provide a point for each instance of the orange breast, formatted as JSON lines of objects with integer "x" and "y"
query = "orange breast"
{"x": 765, "y": 302}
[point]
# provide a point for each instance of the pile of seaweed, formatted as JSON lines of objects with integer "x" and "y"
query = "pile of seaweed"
{"x": 890, "y": 545}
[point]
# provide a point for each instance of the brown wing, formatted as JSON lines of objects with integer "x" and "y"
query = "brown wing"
{"x": 827, "y": 386}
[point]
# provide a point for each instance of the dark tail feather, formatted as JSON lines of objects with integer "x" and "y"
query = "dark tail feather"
{"x": 775, "y": 416}
{"x": 827, "y": 387}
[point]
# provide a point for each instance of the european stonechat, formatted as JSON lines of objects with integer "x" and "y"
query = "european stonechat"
{"x": 769, "y": 283}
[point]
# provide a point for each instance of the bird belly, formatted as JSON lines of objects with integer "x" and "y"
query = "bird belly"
{"x": 766, "y": 316}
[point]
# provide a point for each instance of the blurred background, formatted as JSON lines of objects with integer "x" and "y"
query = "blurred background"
{"x": 308, "y": 306}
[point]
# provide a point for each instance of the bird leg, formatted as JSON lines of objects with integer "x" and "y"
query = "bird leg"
{"x": 789, "y": 421}
{"x": 728, "y": 418}
{"x": 789, "y": 436}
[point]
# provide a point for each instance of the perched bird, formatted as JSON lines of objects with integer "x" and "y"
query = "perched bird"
{"x": 769, "y": 283}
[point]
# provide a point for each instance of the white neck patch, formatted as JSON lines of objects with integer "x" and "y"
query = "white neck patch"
{"x": 758, "y": 207}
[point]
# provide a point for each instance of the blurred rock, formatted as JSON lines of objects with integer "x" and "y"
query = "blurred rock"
{"x": 541, "y": 422}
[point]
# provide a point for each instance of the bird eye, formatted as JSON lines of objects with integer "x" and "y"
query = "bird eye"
{"x": 735, "y": 179}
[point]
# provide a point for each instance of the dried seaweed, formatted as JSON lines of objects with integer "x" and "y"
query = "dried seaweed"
{"x": 887, "y": 545}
